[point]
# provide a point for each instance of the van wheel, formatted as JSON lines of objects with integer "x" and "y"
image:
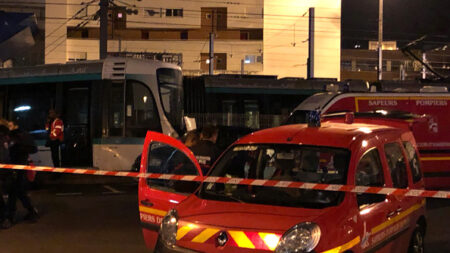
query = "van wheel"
{"x": 417, "y": 241}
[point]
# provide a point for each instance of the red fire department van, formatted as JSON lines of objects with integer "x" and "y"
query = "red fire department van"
{"x": 222, "y": 217}
{"x": 432, "y": 135}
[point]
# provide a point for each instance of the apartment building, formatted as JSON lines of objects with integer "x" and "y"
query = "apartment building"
{"x": 251, "y": 36}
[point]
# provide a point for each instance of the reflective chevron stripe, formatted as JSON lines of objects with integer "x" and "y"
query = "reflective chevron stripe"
{"x": 237, "y": 238}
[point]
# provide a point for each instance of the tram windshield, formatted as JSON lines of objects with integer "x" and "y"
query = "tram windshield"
{"x": 170, "y": 82}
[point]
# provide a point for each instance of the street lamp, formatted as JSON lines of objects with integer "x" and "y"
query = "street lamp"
{"x": 380, "y": 41}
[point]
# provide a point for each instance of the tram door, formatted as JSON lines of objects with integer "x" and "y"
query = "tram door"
{"x": 78, "y": 146}
{"x": 2, "y": 103}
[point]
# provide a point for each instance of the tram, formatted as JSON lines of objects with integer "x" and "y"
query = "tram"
{"x": 107, "y": 107}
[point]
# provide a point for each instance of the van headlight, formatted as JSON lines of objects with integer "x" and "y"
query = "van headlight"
{"x": 169, "y": 227}
{"x": 303, "y": 237}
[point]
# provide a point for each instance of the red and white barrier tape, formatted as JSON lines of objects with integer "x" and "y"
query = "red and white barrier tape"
{"x": 241, "y": 181}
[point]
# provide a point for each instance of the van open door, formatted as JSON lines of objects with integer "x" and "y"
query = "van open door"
{"x": 165, "y": 155}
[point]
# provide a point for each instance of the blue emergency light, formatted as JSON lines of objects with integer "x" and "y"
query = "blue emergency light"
{"x": 313, "y": 118}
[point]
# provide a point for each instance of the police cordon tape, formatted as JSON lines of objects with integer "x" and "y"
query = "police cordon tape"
{"x": 241, "y": 181}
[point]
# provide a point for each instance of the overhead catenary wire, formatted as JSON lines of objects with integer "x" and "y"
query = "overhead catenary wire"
{"x": 73, "y": 16}
{"x": 188, "y": 10}
{"x": 182, "y": 26}
{"x": 327, "y": 32}
{"x": 256, "y": 15}
{"x": 189, "y": 26}
{"x": 64, "y": 36}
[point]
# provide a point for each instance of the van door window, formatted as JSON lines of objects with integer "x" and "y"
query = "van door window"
{"x": 413, "y": 161}
{"x": 396, "y": 164}
{"x": 165, "y": 159}
{"x": 369, "y": 172}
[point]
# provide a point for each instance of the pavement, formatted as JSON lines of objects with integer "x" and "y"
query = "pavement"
{"x": 78, "y": 218}
{"x": 437, "y": 238}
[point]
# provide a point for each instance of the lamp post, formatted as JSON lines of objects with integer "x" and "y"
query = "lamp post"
{"x": 380, "y": 41}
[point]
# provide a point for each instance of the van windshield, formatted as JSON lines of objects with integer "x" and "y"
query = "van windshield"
{"x": 300, "y": 163}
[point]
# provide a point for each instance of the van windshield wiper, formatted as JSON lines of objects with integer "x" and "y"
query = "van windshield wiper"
{"x": 222, "y": 196}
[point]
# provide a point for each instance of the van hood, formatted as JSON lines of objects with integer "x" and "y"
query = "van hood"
{"x": 244, "y": 215}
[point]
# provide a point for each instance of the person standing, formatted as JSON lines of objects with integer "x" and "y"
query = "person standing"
{"x": 4, "y": 174}
{"x": 55, "y": 128}
{"x": 206, "y": 150}
{"x": 21, "y": 145}
{"x": 191, "y": 138}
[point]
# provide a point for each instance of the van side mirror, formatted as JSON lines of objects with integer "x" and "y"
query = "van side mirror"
{"x": 369, "y": 198}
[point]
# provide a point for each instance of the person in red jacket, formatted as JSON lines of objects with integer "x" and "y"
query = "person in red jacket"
{"x": 55, "y": 128}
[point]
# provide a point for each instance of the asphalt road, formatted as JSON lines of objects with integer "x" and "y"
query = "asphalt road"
{"x": 79, "y": 218}
{"x": 103, "y": 217}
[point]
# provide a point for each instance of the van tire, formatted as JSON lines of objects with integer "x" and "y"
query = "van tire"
{"x": 417, "y": 243}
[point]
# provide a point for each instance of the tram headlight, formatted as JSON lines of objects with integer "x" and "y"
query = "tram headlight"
{"x": 169, "y": 227}
{"x": 303, "y": 237}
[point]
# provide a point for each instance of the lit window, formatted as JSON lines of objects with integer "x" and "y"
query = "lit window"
{"x": 174, "y": 12}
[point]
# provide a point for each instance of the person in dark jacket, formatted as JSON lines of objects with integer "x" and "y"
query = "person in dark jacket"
{"x": 206, "y": 150}
{"x": 21, "y": 145}
{"x": 4, "y": 158}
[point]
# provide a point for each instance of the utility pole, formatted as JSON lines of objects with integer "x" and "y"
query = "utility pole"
{"x": 211, "y": 45}
{"x": 402, "y": 72}
{"x": 104, "y": 28}
{"x": 380, "y": 41}
{"x": 424, "y": 69}
{"x": 211, "y": 53}
{"x": 310, "y": 61}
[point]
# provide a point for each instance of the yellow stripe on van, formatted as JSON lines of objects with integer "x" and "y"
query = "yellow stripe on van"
{"x": 397, "y": 218}
{"x": 205, "y": 235}
{"x": 152, "y": 211}
{"x": 183, "y": 231}
{"x": 241, "y": 239}
{"x": 437, "y": 158}
{"x": 344, "y": 247}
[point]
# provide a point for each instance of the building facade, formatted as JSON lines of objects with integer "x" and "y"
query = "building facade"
{"x": 251, "y": 36}
{"x": 363, "y": 63}
{"x": 286, "y": 37}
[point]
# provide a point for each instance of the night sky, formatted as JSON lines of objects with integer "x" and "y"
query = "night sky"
{"x": 404, "y": 21}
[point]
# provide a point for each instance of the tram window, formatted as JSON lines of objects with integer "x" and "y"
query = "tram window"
{"x": 116, "y": 110}
{"x": 29, "y": 105}
{"x": 141, "y": 111}
{"x": 170, "y": 82}
{"x": 77, "y": 110}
